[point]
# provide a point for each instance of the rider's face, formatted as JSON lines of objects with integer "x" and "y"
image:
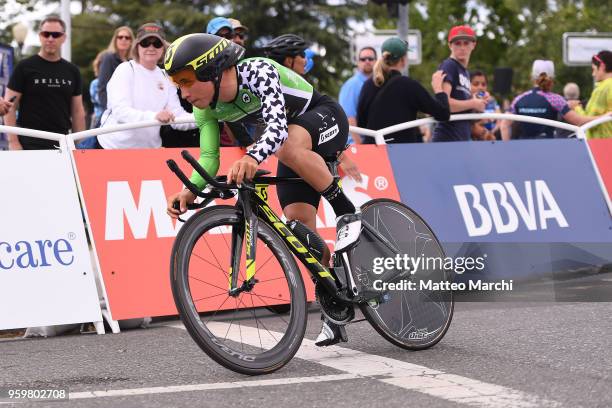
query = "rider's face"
{"x": 199, "y": 94}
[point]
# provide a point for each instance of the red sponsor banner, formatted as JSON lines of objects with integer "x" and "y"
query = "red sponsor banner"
{"x": 602, "y": 151}
{"x": 125, "y": 196}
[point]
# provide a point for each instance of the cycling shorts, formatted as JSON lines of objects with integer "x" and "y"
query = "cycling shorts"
{"x": 328, "y": 127}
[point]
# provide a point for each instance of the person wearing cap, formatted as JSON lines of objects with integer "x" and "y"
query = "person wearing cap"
{"x": 240, "y": 31}
{"x": 457, "y": 85}
{"x": 540, "y": 102}
{"x": 140, "y": 91}
{"x": 601, "y": 99}
{"x": 221, "y": 27}
{"x": 388, "y": 98}
{"x": 351, "y": 89}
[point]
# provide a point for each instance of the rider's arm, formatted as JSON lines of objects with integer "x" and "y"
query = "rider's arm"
{"x": 265, "y": 83}
{"x": 209, "y": 145}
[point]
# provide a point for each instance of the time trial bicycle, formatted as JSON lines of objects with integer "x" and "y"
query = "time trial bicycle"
{"x": 232, "y": 264}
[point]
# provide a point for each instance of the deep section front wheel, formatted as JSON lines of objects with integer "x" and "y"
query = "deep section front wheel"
{"x": 415, "y": 316}
{"x": 239, "y": 332}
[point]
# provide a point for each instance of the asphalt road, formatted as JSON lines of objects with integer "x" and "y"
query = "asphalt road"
{"x": 494, "y": 355}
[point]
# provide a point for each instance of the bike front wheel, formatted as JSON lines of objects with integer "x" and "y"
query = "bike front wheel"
{"x": 238, "y": 332}
{"x": 411, "y": 317}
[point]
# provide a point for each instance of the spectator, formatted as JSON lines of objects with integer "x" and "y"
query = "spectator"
{"x": 571, "y": 93}
{"x": 118, "y": 51}
{"x": 139, "y": 90}
{"x": 94, "y": 92}
{"x": 240, "y": 31}
{"x": 47, "y": 90}
{"x": 221, "y": 27}
{"x": 540, "y": 102}
{"x": 461, "y": 41}
{"x": 485, "y": 129}
{"x": 388, "y": 98}
{"x": 350, "y": 90}
{"x": 5, "y": 106}
{"x": 601, "y": 98}
{"x": 289, "y": 50}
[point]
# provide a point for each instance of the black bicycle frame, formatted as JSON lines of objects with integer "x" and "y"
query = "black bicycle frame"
{"x": 259, "y": 198}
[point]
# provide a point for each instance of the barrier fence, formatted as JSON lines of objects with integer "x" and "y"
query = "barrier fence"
{"x": 541, "y": 191}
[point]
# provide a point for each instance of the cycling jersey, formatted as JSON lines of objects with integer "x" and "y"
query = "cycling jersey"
{"x": 539, "y": 104}
{"x": 270, "y": 96}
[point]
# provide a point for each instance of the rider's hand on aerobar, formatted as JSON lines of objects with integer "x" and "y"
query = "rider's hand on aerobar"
{"x": 177, "y": 203}
{"x": 242, "y": 169}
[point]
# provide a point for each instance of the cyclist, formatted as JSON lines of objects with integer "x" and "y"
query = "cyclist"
{"x": 301, "y": 127}
{"x": 291, "y": 51}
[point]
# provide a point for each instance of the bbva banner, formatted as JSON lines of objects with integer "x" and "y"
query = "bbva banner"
{"x": 519, "y": 191}
{"x": 125, "y": 195}
{"x": 46, "y": 276}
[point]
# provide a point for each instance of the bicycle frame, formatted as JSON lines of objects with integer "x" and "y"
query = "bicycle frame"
{"x": 259, "y": 197}
{"x": 253, "y": 201}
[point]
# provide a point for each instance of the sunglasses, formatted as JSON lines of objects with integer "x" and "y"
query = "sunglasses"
{"x": 54, "y": 34}
{"x": 147, "y": 42}
{"x": 185, "y": 78}
{"x": 124, "y": 37}
{"x": 363, "y": 59}
{"x": 242, "y": 36}
{"x": 226, "y": 34}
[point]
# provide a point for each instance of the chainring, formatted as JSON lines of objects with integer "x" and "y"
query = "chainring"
{"x": 336, "y": 310}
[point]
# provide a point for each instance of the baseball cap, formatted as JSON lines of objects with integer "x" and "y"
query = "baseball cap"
{"x": 217, "y": 24}
{"x": 396, "y": 47}
{"x": 237, "y": 25}
{"x": 150, "y": 30}
{"x": 543, "y": 67}
{"x": 461, "y": 32}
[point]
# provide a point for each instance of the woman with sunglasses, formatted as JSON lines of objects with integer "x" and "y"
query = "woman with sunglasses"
{"x": 139, "y": 91}
{"x": 118, "y": 51}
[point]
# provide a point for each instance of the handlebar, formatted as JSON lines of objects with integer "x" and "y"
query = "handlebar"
{"x": 222, "y": 189}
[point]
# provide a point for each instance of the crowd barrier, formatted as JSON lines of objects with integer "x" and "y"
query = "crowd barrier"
{"x": 473, "y": 195}
{"x": 46, "y": 275}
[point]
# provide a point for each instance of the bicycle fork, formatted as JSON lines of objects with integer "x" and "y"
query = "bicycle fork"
{"x": 243, "y": 234}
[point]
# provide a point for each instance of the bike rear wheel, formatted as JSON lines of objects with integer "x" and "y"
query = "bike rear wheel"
{"x": 409, "y": 318}
{"x": 237, "y": 332}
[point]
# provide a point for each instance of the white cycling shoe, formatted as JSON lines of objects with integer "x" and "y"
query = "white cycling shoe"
{"x": 331, "y": 333}
{"x": 348, "y": 227}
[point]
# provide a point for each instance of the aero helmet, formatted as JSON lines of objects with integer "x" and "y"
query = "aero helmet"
{"x": 208, "y": 55}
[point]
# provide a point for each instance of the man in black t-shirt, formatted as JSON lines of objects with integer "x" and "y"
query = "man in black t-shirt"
{"x": 461, "y": 41}
{"x": 47, "y": 90}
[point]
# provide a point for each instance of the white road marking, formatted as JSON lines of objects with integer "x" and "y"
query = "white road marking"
{"x": 210, "y": 386}
{"x": 409, "y": 376}
{"x": 355, "y": 364}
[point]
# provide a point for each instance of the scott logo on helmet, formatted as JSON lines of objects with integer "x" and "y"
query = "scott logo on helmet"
{"x": 210, "y": 54}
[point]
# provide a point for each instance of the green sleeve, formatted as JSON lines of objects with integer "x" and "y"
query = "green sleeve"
{"x": 209, "y": 145}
